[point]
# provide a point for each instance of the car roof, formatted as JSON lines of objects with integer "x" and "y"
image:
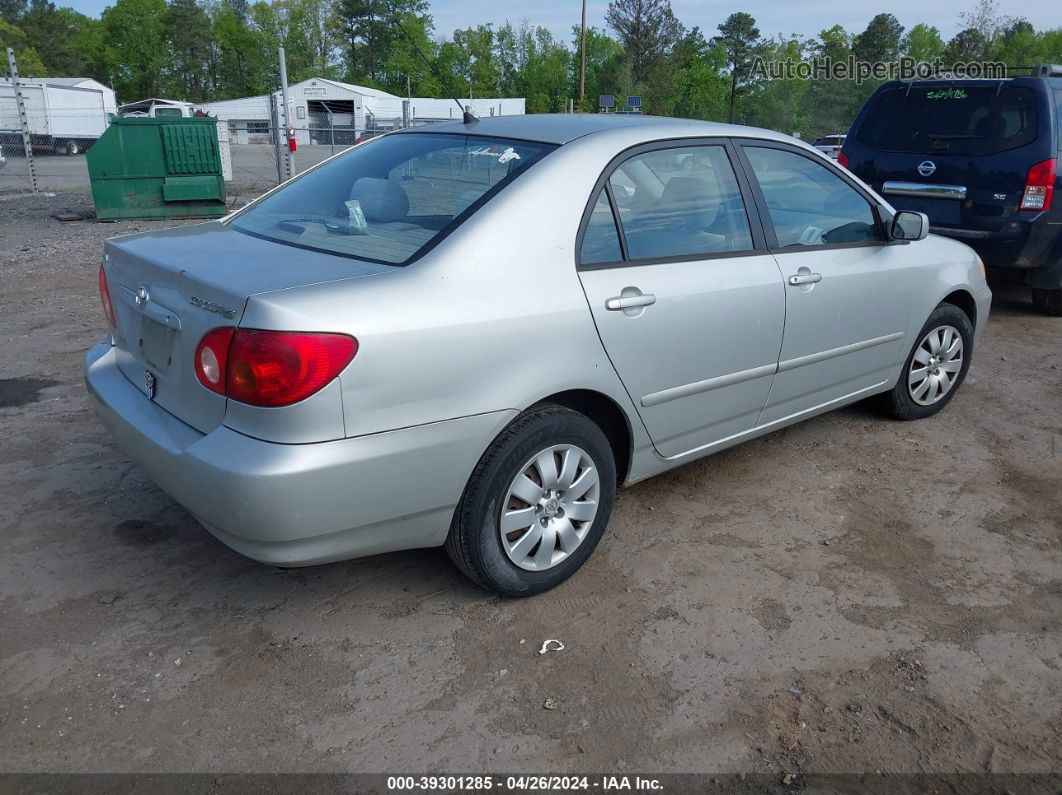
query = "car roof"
{"x": 561, "y": 128}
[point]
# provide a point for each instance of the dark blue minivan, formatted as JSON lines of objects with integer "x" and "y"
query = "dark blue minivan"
{"x": 981, "y": 159}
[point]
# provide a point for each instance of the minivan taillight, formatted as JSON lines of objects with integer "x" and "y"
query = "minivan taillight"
{"x": 271, "y": 368}
{"x": 1039, "y": 186}
{"x": 105, "y": 297}
{"x": 842, "y": 158}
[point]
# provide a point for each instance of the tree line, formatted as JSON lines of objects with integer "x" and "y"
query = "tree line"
{"x": 217, "y": 49}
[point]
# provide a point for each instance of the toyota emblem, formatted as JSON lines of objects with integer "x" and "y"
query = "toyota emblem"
{"x": 142, "y": 297}
{"x": 926, "y": 168}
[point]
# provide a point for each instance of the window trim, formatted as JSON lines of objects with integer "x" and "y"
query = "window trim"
{"x": 756, "y": 230}
{"x": 764, "y": 211}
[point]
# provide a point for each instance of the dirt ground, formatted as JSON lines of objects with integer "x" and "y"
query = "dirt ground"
{"x": 851, "y": 594}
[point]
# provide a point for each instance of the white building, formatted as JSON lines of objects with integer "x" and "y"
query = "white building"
{"x": 328, "y": 111}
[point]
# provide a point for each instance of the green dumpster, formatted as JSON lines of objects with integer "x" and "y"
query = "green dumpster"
{"x": 166, "y": 167}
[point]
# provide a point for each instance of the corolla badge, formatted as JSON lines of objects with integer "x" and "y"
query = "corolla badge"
{"x": 926, "y": 168}
{"x": 142, "y": 297}
{"x": 210, "y": 306}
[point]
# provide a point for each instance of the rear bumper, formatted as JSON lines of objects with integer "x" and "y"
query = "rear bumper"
{"x": 298, "y": 504}
{"x": 1033, "y": 246}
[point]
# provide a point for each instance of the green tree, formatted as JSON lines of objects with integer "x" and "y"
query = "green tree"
{"x": 241, "y": 64}
{"x": 648, "y": 31}
{"x": 135, "y": 52}
{"x": 832, "y": 104}
{"x": 408, "y": 65}
{"x": 739, "y": 37}
{"x": 606, "y": 67}
{"x": 967, "y": 45}
{"x": 367, "y": 31}
{"x": 923, "y": 43}
{"x": 880, "y": 42}
{"x": 189, "y": 39}
{"x": 29, "y": 62}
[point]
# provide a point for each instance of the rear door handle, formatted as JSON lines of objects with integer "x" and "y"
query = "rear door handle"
{"x": 805, "y": 278}
{"x": 629, "y": 302}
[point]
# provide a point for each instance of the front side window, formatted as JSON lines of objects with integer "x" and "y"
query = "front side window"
{"x": 390, "y": 199}
{"x": 680, "y": 202}
{"x": 809, "y": 205}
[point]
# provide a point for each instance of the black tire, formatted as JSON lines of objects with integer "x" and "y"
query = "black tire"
{"x": 899, "y": 402}
{"x": 1048, "y": 301}
{"x": 474, "y": 543}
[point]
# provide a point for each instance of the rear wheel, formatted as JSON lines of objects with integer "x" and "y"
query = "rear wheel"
{"x": 936, "y": 366}
{"x": 1048, "y": 301}
{"x": 536, "y": 504}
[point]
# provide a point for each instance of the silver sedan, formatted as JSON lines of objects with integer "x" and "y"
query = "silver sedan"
{"x": 470, "y": 335}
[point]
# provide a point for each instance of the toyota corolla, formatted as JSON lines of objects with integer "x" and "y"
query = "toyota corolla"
{"x": 470, "y": 334}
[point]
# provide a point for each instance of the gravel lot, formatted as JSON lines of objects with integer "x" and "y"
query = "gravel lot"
{"x": 849, "y": 594}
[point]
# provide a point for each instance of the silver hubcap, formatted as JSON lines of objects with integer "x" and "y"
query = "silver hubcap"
{"x": 936, "y": 365}
{"x": 549, "y": 507}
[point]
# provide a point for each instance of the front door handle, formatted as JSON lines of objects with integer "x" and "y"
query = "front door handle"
{"x": 629, "y": 301}
{"x": 805, "y": 278}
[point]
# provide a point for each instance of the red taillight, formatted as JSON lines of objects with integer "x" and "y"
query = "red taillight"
{"x": 105, "y": 297}
{"x": 1039, "y": 186}
{"x": 211, "y": 358}
{"x": 271, "y": 368}
{"x": 842, "y": 158}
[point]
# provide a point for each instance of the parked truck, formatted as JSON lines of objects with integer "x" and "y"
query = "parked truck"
{"x": 65, "y": 114}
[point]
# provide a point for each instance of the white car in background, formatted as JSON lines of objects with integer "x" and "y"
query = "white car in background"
{"x": 3, "y": 162}
{"x": 830, "y": 145}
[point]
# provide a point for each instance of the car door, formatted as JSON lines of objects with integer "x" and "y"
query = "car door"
{"x": 847, "y": 290}
{"x": 687, "y": 300}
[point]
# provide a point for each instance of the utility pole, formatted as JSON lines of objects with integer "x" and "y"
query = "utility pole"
{"x": 582, "y": 60}
{"x": 289, "y": 130}
{"x": 27, "y": 142}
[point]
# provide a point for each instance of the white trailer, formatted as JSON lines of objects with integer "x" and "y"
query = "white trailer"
{"x": 65, "y": 114}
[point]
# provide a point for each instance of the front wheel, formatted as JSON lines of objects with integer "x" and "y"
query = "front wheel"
{"x": 536, "y": 504}
{"x": 936, "y": 366}
{"x": 1048, "y": 301}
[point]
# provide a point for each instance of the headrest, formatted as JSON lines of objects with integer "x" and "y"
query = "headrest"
{"x": 686, "y": 200}
{"x": 381, "y": 199}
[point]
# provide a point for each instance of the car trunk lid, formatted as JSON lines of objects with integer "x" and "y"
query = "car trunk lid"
{"x": 169, "y": 288}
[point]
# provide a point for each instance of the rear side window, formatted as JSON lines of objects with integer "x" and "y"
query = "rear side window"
{"x": 600, "y": 240}
{"x": 390, "y": 199}
{"x": 809, "y": 205}
{"x": 951, "y": 119}
{"x": 678, "y": 202}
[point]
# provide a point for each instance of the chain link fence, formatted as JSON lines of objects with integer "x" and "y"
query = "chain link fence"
{"x": 257, "y": 148}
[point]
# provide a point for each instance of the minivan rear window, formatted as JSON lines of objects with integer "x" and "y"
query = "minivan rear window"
{"x": 392, "y": 198}
{"x": 950, "y": 119}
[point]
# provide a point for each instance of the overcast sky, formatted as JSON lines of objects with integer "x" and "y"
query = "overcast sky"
{"x": 773, "y": 16}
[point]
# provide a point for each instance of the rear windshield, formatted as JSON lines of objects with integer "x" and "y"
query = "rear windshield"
{"x": 392, "y": 198}
{"x": 950, "y": 119}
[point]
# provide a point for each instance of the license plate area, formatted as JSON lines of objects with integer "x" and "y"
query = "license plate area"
{"x": 156, "y": 344}
{"x": 941, "y": 212}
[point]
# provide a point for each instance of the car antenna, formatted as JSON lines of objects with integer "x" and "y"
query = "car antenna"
{"x": 466, "y": 115}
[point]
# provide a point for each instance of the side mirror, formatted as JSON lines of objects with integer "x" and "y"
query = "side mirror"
{"x": 907, "y": 225}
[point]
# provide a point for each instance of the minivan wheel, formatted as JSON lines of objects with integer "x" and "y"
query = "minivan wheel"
{"x": 936, "y": 366}
{"x": 1048, "y": 301}
{"x": 536, "y": 504}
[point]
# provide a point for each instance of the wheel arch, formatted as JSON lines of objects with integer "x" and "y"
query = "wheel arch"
{"x": 964, "y": 300}
{"x": 607, "y": 415}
